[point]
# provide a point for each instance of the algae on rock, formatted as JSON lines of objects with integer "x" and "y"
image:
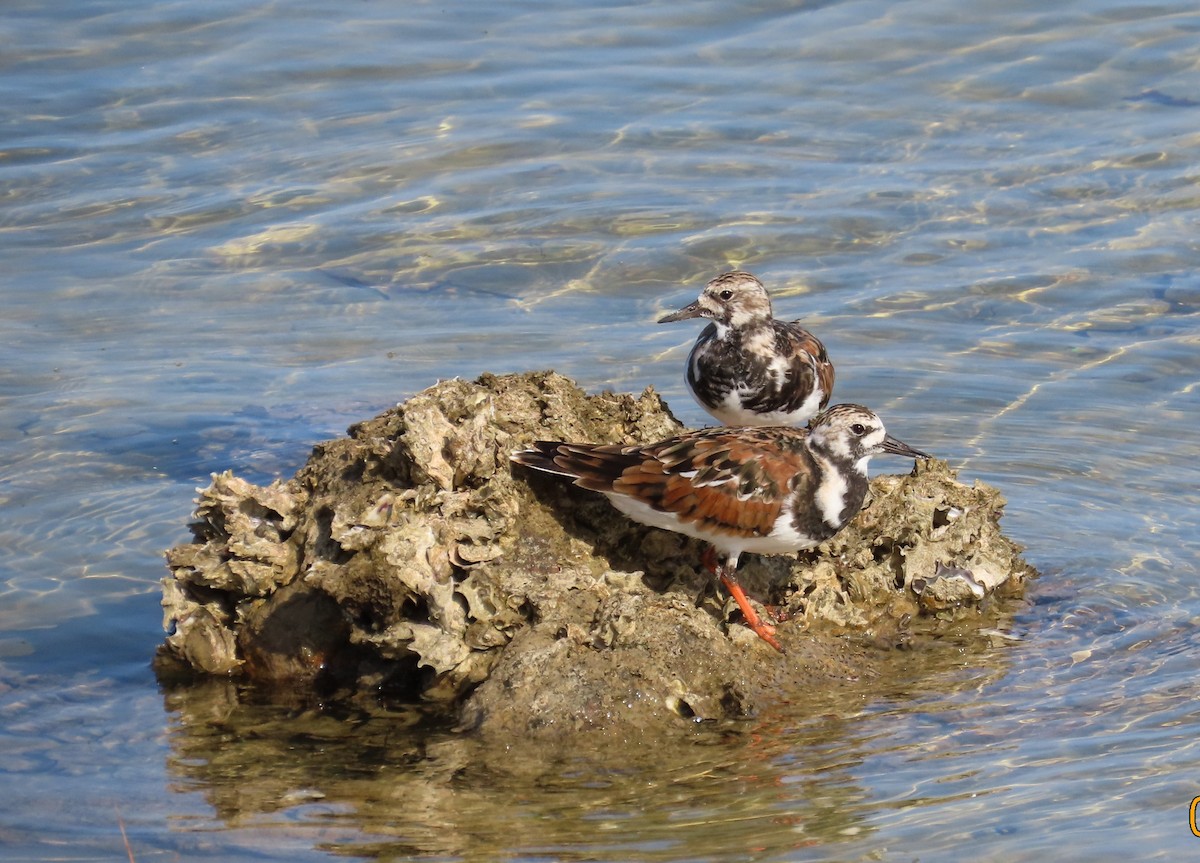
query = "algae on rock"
{"x": 411, "y": 556}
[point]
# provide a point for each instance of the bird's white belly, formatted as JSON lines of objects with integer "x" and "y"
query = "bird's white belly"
{"x": 784, "y": 538}
{"x": 731, "y": 412}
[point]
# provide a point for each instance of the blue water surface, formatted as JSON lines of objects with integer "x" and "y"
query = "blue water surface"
{"x": 229, "y": 230}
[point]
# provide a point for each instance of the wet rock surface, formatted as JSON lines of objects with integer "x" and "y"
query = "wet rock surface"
{"x": 411, "y": 558}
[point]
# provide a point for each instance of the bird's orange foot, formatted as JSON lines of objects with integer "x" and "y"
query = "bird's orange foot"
{"x": 762, "y": 629}
{"x": 766, "y": 632}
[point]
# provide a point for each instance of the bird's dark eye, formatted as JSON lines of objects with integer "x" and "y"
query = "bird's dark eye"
{"x": 726, "y": 294}
{"x": 858, "y": 429}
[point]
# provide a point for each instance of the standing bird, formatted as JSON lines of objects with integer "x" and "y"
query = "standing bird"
{"x": 761, "y": 490}
{"x": 747, "y": 368}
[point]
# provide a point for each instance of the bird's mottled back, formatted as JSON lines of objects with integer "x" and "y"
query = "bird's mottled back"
{"x": 747, "y": 368}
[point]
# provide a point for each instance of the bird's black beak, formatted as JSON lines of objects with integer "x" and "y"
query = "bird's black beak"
{"x": 899, "y": 447}
{"x": 692, "y": 310}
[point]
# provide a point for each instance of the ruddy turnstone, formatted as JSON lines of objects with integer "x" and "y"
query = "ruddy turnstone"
{"x": 749, "y": 489}
{"x": 747, "y": 368}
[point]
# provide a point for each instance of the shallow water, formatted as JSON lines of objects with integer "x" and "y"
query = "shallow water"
{"x": 230, "y": 230}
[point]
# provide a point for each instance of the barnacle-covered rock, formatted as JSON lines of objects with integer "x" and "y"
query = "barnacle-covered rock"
{"x": 923, "y": 543}
{"x": 411, "y": 556}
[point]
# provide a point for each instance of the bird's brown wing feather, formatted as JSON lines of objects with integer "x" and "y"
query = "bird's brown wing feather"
{"x": 729, "y": 482}
{"x": 591, "y": 466}
{"x": 807, "y": 359}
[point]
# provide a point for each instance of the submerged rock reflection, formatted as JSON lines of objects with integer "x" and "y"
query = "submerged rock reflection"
{"x": 364, "y": 778}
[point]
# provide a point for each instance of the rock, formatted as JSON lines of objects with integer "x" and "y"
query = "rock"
{"x": 411, "y": 556}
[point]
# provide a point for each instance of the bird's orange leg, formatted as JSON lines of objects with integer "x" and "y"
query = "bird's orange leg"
{"x": 725, "y": 573}
{"x": 763, "y": 630}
